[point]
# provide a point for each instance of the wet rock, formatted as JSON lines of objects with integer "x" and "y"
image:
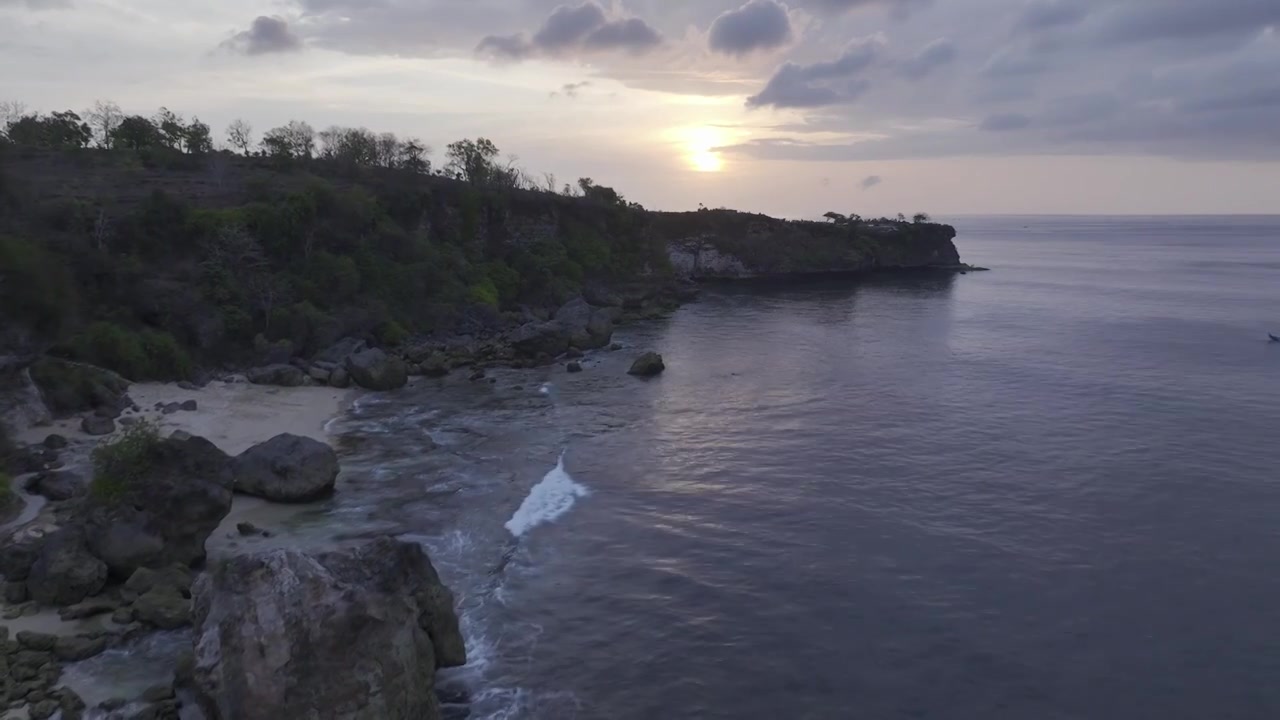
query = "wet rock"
{"x": 249, "y": 529}
{"x": 329, "y": 656}
{"x": 376, "y": 370}
{"x": 122, "y": 616}
{"x": 647, "y": 365}
{"x": 163, "y": 607}
{"x": 128, "y": 421}
{"x": 288, "y": 469}
{"x": 162, "y": 514}
{"x": 574, "y": 367}
{"x": 59, "y": 486}
{"x": 586, "y": 326}
{"x": 477, "y": 375}
{"x": 187, "y": 385}
{"x": 190, "y": 405}
{"x": 74, "y": 649}
{"x": 144, "y": 580}
{"x": 573, "y": 353}
{"x": 72, "y": 705}
{"x": 97, "y": 425}
{"x": 436, "y": 365}
{"x": 43, "y": 709}
{"x": 180, "y": 435}
{"x": 615, "y": 347}
{"x": 539, "y": 338}
{"x": 158, "y": 693}
{"x": 280, "y": 375}
{"x": 339, "y": 378}
{"x": 55, "y": 442}
{"x": 170, "y": 408}
{"x": 65, "y": 572}
{"x": 113, "y": 704}
{"x": 319, "y": 374}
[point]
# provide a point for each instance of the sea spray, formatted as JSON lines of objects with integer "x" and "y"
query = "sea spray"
{"x": 547, "y": 501}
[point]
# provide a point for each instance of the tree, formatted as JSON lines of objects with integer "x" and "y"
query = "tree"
{"x": 902, "y": 218}
{"x": 240, "y": 136}
{"x": 387, "y": 150}
{"x": 136, "y": 133}
{"x": 198, "y": 140}
{"x": 413, "y": 157}
{"x": 919, "y": 218}
{"x": 59, "y": 130}
{"x": 173, "y": 132}
{"x": 10, "y": 112}
{"x": 296, "y": 140}
{"x": 472, "y": 160}
{"x": 103, "y": 118}
{"x": 600, "y": 193}
{"x": 836, "y": 218}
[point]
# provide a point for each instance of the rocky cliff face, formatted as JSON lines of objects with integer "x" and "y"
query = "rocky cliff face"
{"x": 723, "y": 244}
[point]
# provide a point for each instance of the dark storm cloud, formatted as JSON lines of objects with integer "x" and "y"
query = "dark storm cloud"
{"x": 929, "y": 58}
{"x": 758, "y": 25}
{"x": 266, "y": 35}
{"x": 871, "y": 181}
{"x": 823, "y": 83}
{"x": 574, "y": 28}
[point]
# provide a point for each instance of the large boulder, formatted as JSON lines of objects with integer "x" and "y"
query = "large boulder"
{"x": 288, "y": 469}
{"x": 338, "y": 353}
{"x": 539, "y": 338}
{"x": 353, "y": 635}
{"x": 97, "y": 425}
{"x": 173, "y": 496}
{"x": 58, "y": 485}
{"x": 647, "y": 365}
{"x": 69, "y": 387}
{"x": 586, "y": 326}
{"x": 64, "y": 572}
{"x": 375, "y": 370}
{"x": 280, "y": 375}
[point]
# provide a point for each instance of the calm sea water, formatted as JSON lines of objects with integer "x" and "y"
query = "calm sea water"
{"x": 1050, "y": 491}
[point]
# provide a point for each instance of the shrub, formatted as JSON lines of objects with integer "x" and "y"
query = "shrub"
{"x": 120, "y": 463}
{"x": 147, "y": 355}
{"x": 392, "y": 334}
{"x": 484, "y": 293}
{"x": 35, "y": 286}
{"x": 166, "y": 359}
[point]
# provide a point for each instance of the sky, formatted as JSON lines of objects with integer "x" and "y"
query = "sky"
{"x": 790, "y": 108}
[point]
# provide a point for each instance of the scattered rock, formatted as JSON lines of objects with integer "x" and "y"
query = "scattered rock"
{"x": 158, "y": 693}
{"x": 280, "y": 375}
{"x": 436, "y": 365}
{"x": 375, "y": 370}
{"x": 55, "y": 442}
{"x": 362, "y": 630}
{"x": 573, "y": 353}
{"x": 539, "y": 338}
{"x": 319, "y": 374}
{"x": 340, "y": 378}
{"x": 574, "y": 367}
{"x": 180, "y": 435}
{"x": 40, "y": 642}
{"x": 287, "y": 468}
{"x": 97, "y": 425}
{"x": 64, "y": 572}
{"x": 42, "y": 710}
{"x": 71, "y": 704}
{"x": 83, "y": 647}
{"x": 477, "y": 375}
{"x": 190, "y": 405}
{"x": 177, "y": 495}
{"x": 128, "y": 421}
{"x": 647, "y": 365}
{"x": 249, "y": 529}
{"x": 615, "y": 347}
{"x": 171, "y": 408}
{"x": 143, "y": 580}
{"x": 21, "y": 548}
{"x": 187, "y": 385}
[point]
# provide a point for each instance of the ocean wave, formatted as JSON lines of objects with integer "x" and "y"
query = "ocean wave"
{"x": 547, "y": 501}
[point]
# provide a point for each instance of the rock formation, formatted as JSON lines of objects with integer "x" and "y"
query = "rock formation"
{"x": 288, "y": 469}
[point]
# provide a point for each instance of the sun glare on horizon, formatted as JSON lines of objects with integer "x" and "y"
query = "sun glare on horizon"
{"x": 700, "y": 144}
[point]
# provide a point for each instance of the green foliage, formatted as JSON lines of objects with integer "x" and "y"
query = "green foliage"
{"x": 392, "y": 334}
{"x": 146, "y": 355}
{"x": 36, "y": 287}
{"x": 57, "y": 130}
{"x": 484, "y": 293}
{"x": 120, "y": 464}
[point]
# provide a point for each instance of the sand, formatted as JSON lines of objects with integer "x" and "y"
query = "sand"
{"x": 233, "y": 416}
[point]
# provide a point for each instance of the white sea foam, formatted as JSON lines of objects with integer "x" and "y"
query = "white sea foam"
{"x": 547, "y": 501}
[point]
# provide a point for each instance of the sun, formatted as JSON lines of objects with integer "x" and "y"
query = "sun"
{"x": 700, "y": 145}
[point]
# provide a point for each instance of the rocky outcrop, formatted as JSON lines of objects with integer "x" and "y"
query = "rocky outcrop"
{"x": 21, "y": 405}
{"x": 647, "y": 365}
{"x": 70, "y": 387}
{"x": 58, "y": 485}
{"x": 724, "y": 244}
{"x": 350, "y": 635}
{"x": 375, "y": 370}
{"x": 162, "y": 514}
{"x": 577, "y": 324}
{"x": 288, "y": 469}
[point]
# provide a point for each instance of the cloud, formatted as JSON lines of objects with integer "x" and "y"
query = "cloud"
{"x": 930, "y": 57}
{"x": 823, "y": 83}
{"x": 36, "y": 4}
{"x": 1047, "y": 14}
{"x": 871, "y": 181}
{"x": 571, "y": 90}
{"x": 1184, "y": 20}
{"x": 571, "y": 29}
{"x": 899, "y": 8}
{"x": 266, "y": 35}
{"x": 1002, "y": 122}
{"x": 758, "y": 25}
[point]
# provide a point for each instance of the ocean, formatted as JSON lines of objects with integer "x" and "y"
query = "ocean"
{"x": 1047, "y": 491}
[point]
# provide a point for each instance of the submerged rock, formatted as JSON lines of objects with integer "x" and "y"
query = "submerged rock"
{"x": 647, "y": 365}
{"x": 376, "y": 370}
{"x": 356, "y": 635}
{"x": 287, "y": 468}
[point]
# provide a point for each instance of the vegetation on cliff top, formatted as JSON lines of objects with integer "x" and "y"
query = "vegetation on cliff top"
{"x": 130, "y": 242}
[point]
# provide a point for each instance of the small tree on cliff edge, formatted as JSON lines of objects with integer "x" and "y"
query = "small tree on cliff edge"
{"x": 919, "y": 218}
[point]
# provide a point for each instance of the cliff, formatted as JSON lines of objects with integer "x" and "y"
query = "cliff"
{"x": 154, "y": 262}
